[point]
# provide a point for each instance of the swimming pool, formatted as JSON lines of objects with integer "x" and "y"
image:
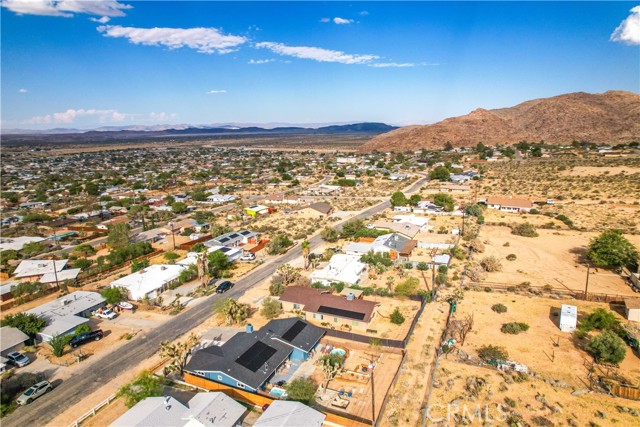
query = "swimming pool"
{"x": 277, "y": 391}
{"x": 339, "y": 351}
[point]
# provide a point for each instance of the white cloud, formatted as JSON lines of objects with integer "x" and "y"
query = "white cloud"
{"x": 325, "y": 20}
{"x": 214, "y": 91}
{"x": 66, "y": 8}
{"x": 203, "y": 40}
{"x": 393, "y": 65}
{"x": 162, "y": 116}
{"x": 70, "y": 116}
{"x": 316, "y": 53}
{"x": 628, "y": 32}
{"x": 342, "y": 21}
{"x": 260, "y": 61}
{"x": 22, "y": 90}
{"x": 102, "y": 20}
{"x": 363, "y": 13}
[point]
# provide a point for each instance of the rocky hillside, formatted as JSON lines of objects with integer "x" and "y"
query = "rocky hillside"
{"x": 611, "y": 117}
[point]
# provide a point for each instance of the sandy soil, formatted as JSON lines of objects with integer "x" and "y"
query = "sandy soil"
{"x": 553, "y": 258}
{"x": 604, "y": 170}
{"x": 535, "y": 347}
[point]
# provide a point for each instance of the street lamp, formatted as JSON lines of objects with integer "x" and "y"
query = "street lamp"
{"x": 173, "y": 234}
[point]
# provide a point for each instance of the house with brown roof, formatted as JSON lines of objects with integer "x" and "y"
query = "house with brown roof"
{"x": 320, "y": 306}
{"x": 509, "y": 204}
{"x": 318, "y": 209}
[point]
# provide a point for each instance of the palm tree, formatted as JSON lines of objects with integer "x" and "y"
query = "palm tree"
{"x": 306, "y": 250}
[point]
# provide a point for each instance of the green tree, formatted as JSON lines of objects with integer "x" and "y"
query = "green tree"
{"x": 81, "y": 329}
{"x": 331, "y": 365}
{"x": 329, "y": 234}
{"x": 119, "y": 235}
{"x": 179, "y": 207}
{"x": 601, "y": 319}
{"x": 114, "y": 294}
{"x": 235, "y": 312}
{"x": 32, "y": 249}
{"x": 398, "y": 199}
{"x": 305, "y": 247}
{"x": 414, "y": 199}
{"x": 445, "y": 201}
{"x": 92, "y": 188}
{"x": 171, "y": 256}
{"x": 607, "y": 347}
{"x": 408, "y": 287}
{"x": 218, "y": 263}
{"x": 612, "y": 250}
{"x": 84, "y": 250}
{"x": 440, "y": 173}
{"x": 144, "y": 385}
{"x": 139, "y": 265}
{"x": 396, "y": 317}
{"x": 83, "y": 263}
{"x": 491, "y": 352}
{"x": 30, "y": 324}
{"x": 301, "y": 390}
{"x": 177, "y": 353}
{"x": 271, "y": 308}
{"x": 8, "y": 255}
{"x": 58, "y": 343}
{"x": 279, "y": 244}
{"x": 199, "y": 247}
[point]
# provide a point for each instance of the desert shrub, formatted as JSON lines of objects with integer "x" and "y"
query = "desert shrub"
{"x": 512, "y": 257}
{"x": 408, "y": 287}
{"x": 277, "y": 286}
{"x": 457, "y": 253}
{"x": 337, "y": 286}
{"x": 475, "y": 273}
{"x": 58, "y": 343}
{"x": 510, "y": 402}
{"x": 534, "y": 211}
{"x": 514, "y": 328}
{"x": 491, "y": 264}
{"x": 612, "y": 249}
{"x": 270, "y": 308}
{"x": 329, "y": 234}
{"x": 565, "y": 220}
{"x": 607, "y": 347}
{"x": 396, "y": 317}
{"x": 81, "y": 329}
{"x": 525, "y": 230}
{"x": 302, "y": 390}
{"x": 499, "y": 308}
{"x": 601, "y": 319}
{"x": 476, "y": 246}
{"x": 144, "y": 385}
{"x": 278, "y": 244}
{"x": 492, "y": 352}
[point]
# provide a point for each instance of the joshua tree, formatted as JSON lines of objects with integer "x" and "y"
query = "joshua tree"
{"x": 306, "y": 249}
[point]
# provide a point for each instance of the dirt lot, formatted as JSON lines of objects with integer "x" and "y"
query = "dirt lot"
{"x": 535, "y": 347}
{"x": 553, "y": 258}
{"x": 564, "y": 365}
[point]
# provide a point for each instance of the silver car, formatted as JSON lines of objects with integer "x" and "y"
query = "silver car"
{"x": 34, "y": 392}
{"x": 18, "y": 359}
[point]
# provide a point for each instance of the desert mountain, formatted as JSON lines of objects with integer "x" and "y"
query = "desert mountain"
{"x": 609, "y": 118}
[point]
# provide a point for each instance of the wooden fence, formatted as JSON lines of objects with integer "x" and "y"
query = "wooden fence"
{"x": 591, "y": 296}
{"x": 117, "y": 267}
{"x": 188, "y": 245}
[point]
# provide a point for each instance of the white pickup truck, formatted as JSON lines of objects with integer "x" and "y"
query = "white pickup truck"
{"x": 105, "y": 313}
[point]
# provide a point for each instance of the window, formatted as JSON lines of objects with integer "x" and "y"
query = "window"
{"x": 240, "y": 385}
{"x": 219, "y": 377}
{"x": 335, "y": 320}
{"x": 296, "y": 306}
{"x": 317, "y": 316}
{"x": 200, "y": 373}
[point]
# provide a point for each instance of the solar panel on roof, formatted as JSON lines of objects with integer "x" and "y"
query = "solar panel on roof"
{"x": 256, "y": 356}
{"x": 245, "y": 232}
{"x": 340, "y": 312}
{"x": 293, "y": 331}
{"x": 224, "y": 239}
{"x": 234, "y": 235}
{"x": 225, "y": 250}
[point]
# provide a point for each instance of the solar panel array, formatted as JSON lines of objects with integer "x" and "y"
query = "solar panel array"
{"x": 256, "y": 356}
{"x": 293, "y": 331}
{"x": 342, "y": 313}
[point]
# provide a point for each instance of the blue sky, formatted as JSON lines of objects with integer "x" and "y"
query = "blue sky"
{"x": 73, "y": 63}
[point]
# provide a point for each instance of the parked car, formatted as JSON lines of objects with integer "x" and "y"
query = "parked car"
{"x": 224, "y": 286}
{"x": 105, "y": 313}
{"x": 18, "y": 359}
{"x": 248, "y": 256}
{"x": 34, "y": 392}
{"x": 85, "y": 337}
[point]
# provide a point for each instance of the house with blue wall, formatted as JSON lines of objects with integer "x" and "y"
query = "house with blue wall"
{"x": 248, "y": 360}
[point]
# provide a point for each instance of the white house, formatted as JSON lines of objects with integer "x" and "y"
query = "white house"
{"x": 66, "y": 313}
{"x": 231, "y": 253}
{"x": 341, "y": 268}
{"x": 212, "y": 409}
{"x": 509, "y": 204}
{"x": 220, "y": 198}
{"x": 568, "y": 318}
{"x": 35, "y": 268}
{"x": 283, "y": 413}
{"x": 421, "y": 222}
{"x": 233, "y": 238}
{"x": 17, "y": 243}
{"x": 151, "y": 281}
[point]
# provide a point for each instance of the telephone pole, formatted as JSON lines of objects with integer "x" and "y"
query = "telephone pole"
{"x": 586, "y": 285}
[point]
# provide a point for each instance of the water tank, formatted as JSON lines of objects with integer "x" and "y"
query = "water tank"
{"x": 249, "y": 328}
{"x": 350, "y": 296}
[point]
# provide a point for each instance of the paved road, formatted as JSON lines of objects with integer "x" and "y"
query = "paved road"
{"x": 95, "y": 375}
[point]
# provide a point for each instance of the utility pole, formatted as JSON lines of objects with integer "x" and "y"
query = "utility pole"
{"x": 373, "y": 401}
{"x": 173, "y": 234}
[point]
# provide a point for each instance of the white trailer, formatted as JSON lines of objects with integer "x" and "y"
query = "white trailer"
{"x": 568, "y": 318}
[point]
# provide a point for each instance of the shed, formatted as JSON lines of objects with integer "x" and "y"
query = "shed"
{"x": 568, "y": 318}
{"x": 632, "y": 309}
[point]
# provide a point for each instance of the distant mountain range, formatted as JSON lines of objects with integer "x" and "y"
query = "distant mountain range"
{"x": 112, "y": 133}
{"x": 608, "y": 118}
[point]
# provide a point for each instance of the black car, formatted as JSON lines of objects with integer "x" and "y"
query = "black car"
{"x": 86, "y": 337}
{"x": 224, "y": 286}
